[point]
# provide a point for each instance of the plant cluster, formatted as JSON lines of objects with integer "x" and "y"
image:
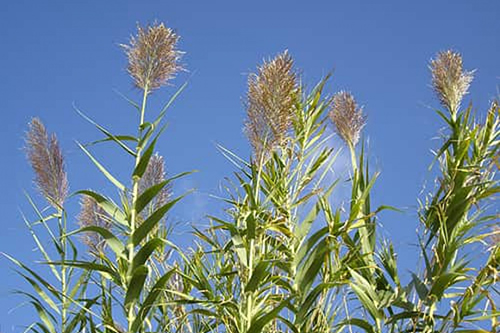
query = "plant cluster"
{"x": 281, "y": 257}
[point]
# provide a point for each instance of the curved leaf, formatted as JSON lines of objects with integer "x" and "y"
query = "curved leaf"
{"x": 107, "y": 205}
{"x": 150, "y": 300}
{"x": 145, "y": 252}
{"x": 135, "y": 286}
{"x": 111, "y": 240}
{"x": 143, "y": 230}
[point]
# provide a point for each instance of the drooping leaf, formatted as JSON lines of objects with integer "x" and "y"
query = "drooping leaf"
{"x": 107, "y": 205}
{"x": 111, "y": 240}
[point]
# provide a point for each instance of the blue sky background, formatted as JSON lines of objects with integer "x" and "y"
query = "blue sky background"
{"x": 56, "y": 53}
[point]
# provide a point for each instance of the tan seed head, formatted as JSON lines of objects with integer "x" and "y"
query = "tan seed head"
{"x": 270, "y": 103}
{"x": 347, "y": 117}
{"x": 47, "y": 161}
{"x": 153, "y": 56}
{"x": 449, "y": 80}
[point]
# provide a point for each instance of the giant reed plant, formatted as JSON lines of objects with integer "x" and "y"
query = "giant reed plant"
{"x": 134, "y": 277}
{"x": 126, "y": 238}
{"x": 456, "y": 215}
{"x": 456, "y": 290}
{"x": 58, "y": 292}
{"x": 283, "y": 257}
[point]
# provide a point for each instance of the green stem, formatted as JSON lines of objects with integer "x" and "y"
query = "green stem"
{"x": 354, "y": 162}
{"x": 64, "y": 283}
{"x": 133, "y": 213}
{"x": 249, "y": 300}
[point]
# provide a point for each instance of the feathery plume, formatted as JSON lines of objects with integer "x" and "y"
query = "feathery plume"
{"x": 91, "y": 214}
{"x": 347, "y": 117}
{"x": 155, "y": 174}
{"x": 47, "y": 161}
{"x": 153, "y": 56}
{"x": 270, "y": 103}
{"x": 449, "y": 80}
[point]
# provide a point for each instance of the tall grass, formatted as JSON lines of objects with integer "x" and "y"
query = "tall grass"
{"x": 281, "y": 257}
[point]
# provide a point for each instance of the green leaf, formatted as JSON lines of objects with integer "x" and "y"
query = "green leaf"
{"x": 307, "y": 246}
{"x": 145, "y": 252}
{"x": 258, "y": 325}
{"x": 171, "y": 100}
{"x": 106, "y": 132}
{"x": 361, "y": 323}
{"x": 404, "y": 315}
{"x": 144, "y": 161}
{"x": 136, "y": 284}
{"x": 150, "y": 300}
{"x": 42, "y": 293}
{"x": 80, "y": 285}
{"x": 143, "y": 230}
{"x": 107, "y": 205}
{"x": 43, "y": 220}
{"x": 106, "y": 271}
{"x": 443, "y": 282}
{"x": 309, "y": 302}
{"x": 493, "y": 314}
{"x": 420, "y": 287}
{"x": 251, "y": 224}
{"x": 134, "y": 104}
{"x": 151, "y": 192}
{"x": 309, "y": 268}
{"x": 240, "y": 249}
{"x": 306, "y": 224}
{"x": 41, "y": 247}
{"x": 80, "y": 317}
{"x": 366, "y": 294}
{"x": 158, "y": 119}
{"x": 148, "y": 195}
{"x": 119, "y": 137}
{"x": 259, "y": 274}
{"x": 44, "y": 316}
{"x": 111, "y": 240}
{"x": 46, "y": 284}
{"x": 232, "y": 157}
{"x": 103, "y": 170}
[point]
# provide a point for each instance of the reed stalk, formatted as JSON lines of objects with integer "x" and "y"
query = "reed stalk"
{"x": 285, "y": 257}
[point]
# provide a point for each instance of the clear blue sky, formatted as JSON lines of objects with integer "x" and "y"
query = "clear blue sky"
{"x": 56, "y": 53}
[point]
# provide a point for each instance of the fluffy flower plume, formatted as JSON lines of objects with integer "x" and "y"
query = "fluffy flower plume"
{"x": 347, "y": 117}
{"x": 449, "y": 79}
{"x": 153, "y": 57}
{"x": 270, "y": 103}
{"x": 155, "y": 174}
{"x": 47, "y": 161}
{"x": 91, "y": 214}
